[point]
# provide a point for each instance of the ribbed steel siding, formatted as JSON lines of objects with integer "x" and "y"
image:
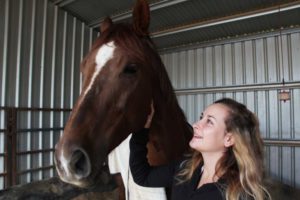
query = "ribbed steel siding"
{"x": 41, "y": 48}
{"x": 3, "y": 53}
{"x": 2, "y": 150}
{"x": 240, "y": 64}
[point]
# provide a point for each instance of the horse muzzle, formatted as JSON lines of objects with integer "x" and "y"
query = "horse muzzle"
{"x": 74, "y": 167}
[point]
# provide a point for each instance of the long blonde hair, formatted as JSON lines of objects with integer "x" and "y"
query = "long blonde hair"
{"x": 241, "y": 166}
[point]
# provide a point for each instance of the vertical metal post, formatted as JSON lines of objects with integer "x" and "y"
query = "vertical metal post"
{"x": 11, "y": 144}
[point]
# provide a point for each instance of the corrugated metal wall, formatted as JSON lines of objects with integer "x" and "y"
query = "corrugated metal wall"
{"x": 41, "y": 47}
{"x": 248, "y": 71}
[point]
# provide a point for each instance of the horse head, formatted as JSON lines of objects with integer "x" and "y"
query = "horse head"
{"x": 122, "y": 75}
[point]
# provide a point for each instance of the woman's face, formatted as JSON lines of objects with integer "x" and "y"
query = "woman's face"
{"x": 210, "y": 131}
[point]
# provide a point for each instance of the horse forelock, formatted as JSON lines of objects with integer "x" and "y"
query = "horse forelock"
{"x": 127, "y": 40}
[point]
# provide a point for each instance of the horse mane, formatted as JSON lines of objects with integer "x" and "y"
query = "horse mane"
{"x": 170, "y": 123}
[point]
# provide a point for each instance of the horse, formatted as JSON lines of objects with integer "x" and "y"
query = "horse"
{"x": 122, "y": 75}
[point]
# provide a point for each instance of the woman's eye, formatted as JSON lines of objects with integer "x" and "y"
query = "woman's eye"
{"x": 209, "y": 122}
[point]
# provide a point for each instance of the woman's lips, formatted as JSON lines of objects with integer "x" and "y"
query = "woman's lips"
{"x": 198, "y": 137}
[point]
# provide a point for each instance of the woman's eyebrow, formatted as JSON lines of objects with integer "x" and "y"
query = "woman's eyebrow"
{"x": 211, "y": 116}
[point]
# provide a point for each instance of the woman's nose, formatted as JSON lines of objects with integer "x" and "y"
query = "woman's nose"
{"x": 197, "y": 124}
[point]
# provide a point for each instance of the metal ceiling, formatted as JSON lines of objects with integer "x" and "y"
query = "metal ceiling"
{"x": 177, "y": 23}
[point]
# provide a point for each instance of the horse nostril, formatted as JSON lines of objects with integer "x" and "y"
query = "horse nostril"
{"x": 80, "y": 163}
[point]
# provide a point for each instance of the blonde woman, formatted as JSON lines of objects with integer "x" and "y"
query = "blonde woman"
{"x": 226, "y": 163}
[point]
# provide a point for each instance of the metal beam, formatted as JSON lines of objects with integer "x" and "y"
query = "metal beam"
{"x": 239, "y": 88}
{"x": 62, "y": 3}
{"x": 227, "y": 19}
{"x": 282, "y": 142}
{"x": 127, "y": 14}
{"x": 228, "y": 40}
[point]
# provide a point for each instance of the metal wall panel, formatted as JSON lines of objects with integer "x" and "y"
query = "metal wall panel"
{"x": 2, "y": 149}
{"x": 41, "y": 47}
{"x": 3, "y": 69}
{"x": 246, "y": 71}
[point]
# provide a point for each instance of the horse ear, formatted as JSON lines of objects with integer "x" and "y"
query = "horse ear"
{"x": 106, "y": 24}
{"x": 141, "y": 17}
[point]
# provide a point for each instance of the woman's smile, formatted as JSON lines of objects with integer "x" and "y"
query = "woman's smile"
{"x": 197, "y": 136}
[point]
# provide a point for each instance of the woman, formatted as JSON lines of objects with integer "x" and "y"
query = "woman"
{"x": 226, "y": 163}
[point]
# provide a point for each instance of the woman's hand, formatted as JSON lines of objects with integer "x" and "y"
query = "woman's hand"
{"x": 150, "y": 116}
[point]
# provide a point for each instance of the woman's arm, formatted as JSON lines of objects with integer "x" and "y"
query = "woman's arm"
{"x": 142, "y": 173}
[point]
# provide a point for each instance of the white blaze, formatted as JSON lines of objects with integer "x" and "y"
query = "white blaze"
{"x": 105, "y": 53}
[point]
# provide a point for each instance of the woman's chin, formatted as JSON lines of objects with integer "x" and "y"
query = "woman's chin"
{"x": 192, "y": 144}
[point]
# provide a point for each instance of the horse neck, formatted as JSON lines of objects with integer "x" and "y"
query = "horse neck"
{"x": 171, "y": 130}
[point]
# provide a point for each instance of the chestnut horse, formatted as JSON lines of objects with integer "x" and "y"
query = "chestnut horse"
{"x": 122, "y": 75}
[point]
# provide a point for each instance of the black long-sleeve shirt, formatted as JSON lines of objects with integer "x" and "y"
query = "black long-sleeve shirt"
{"x": 164, "y": 176}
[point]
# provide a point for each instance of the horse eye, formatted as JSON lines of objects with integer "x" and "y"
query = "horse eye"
{"x": 130, "y": 69}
